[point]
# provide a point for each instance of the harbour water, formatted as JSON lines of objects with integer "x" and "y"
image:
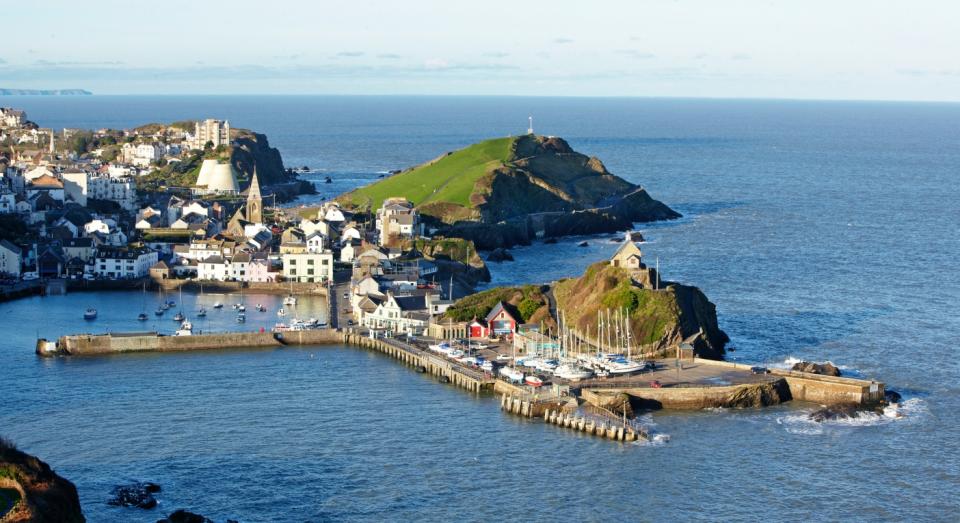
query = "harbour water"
{"x": 821, "y": 230}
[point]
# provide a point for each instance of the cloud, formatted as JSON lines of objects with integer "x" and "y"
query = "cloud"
{"x": 295, "y": 56}
{"x": 496, "y": 54}
{"x": 563, "y": 40}
{"x": 740, "y": 56}
{"x": 436, "y": 63}
{"x": 350, "y": 54}
{"x": 2, "y": 61}
{"x": 633, "y": 53}
{"x": 389, "y": 56}
{"x": 700, "y": 56}
{"x": 929, "y": 72}
{"x": 66, "y": 63}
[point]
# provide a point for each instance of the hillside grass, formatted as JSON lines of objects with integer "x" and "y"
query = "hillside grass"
{"x": 529, "y": 301}
{"x": 450, "y": 179}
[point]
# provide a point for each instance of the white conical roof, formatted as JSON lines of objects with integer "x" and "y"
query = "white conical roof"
{"x": 223, "y": 179}
{"x": 206, "y": 168}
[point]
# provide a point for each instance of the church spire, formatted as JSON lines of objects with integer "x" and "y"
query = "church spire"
{"x": 254, "y": 212}
{"x": 254, "y": 186}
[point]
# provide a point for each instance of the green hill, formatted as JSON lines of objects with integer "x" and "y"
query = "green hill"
{"x": 505, "y": 178}
{"x": 448, "y": 179}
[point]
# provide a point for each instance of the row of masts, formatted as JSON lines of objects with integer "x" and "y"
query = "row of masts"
{"x": 613, "y": 334}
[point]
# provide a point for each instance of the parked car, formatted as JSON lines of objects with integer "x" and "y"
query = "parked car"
{"x": 759, "y": 370}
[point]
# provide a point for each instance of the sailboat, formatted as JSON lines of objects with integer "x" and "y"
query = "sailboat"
{"x": 143, "y": 305}
{"x": 240, "y": 306}
{"x": 290, "y": 299}
{"x": 90, "y": 314}
{"x": 179, "y": 316}
{"x": 202, "y": 312}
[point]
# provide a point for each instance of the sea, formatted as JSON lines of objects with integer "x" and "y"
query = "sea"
{"x": 821, "y": 230}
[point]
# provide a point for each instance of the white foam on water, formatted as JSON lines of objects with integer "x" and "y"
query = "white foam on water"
{"x": 910, "y": 410}
{"x": 656, "y": 440}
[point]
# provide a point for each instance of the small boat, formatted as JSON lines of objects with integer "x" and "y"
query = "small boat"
{"x": 511, "y": 374}
{"x": 281, "y": 312}
{"x": 159, "y": 311}
{"x": 241, "y": 308}
{"x": 142, "y": 316}
{"x": 164, "y": 306}
{"x": 186, "y": 329}
{"x": 202, "y": 313}
{"x": 572, "y": 372}
{"x": 179, "y": 317}
{"x": 173, "y": 303}
{"x": 218, "y": 305}
{"x": 487, "y": 366}
{"x": 533, "y": 381}
{"x": 290, "y": 300}
{"x": 241, "y": 318}
{"x": 90, "y": 314}
{"x": 261, "y": 308}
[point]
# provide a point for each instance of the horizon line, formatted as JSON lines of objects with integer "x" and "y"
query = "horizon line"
{"x": 422, "y": 95}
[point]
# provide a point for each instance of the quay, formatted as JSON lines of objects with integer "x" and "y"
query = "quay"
{"x": 599, "y": 407}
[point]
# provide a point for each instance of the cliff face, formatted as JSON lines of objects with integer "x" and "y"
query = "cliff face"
{"x": 254, "y": 149}
{"x": 43, "y": 495}
{"x": 659, "y": 319}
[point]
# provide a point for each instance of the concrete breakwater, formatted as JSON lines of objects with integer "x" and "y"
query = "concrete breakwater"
{"x": 130, "y": 342}
{"x": 295, "y": 288}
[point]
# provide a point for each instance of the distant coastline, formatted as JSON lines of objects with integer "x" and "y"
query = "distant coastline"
{"x": 44, "y": 92}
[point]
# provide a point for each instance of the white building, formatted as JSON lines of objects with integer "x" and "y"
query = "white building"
{"x": 308, "y": 266}
{"x": 11, "y": 258}
{"x": 399, "y": 314}
{"x": 117, "y": 263}
{"x": 216, "y": 132}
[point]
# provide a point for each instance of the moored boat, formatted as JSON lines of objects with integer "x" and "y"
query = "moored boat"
{"x": 142, "y": 316}
{"x": 178, "y": 317}
{"x": 90, "y": 314}
{"x": 533, "y": 381}
{"x": 218, "y": 305}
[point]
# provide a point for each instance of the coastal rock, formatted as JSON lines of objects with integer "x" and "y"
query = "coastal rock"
{"x": 550, "y": 241}
{"x": 892, "y": 396}
{"x": 499, "y": 255}
{"x": 137, "y": 494}
{"x": 583, "y": 244}
{"x": 636, "y": 236}
{"x": 825, "y": 369}
{"x": 835, "y": 412}
{"x": 44, "y": 495}
{"x": 184, "y": 516}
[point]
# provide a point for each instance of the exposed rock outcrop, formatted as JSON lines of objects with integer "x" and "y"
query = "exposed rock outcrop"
{"x": 137, "y": 494}
{"x": 835, "y": 412}
{"x": 825, "y": 369}
{"x": 44, "y": 495}
{"x": 184, "y": 516}
{"x": 499, "y": 255}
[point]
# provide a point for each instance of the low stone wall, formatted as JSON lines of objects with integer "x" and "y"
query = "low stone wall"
{"x": 828, "y": 390}
{"x": 696, "y": 398}
{"x": 316, "y": 289}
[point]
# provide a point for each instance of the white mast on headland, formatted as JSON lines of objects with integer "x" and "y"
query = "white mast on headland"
{"x": 530, "y": 128}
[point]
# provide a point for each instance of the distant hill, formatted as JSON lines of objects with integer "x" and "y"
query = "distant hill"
{"x": 505, "y": 178}
{"x": 43, "y": 92}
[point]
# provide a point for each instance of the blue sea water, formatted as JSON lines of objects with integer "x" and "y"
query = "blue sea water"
{"x": 821, "y": 230}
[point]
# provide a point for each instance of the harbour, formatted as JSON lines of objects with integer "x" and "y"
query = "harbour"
{"x": 600, "y": 407}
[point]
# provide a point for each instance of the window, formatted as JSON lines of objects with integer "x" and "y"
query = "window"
{"x": 310, "y": 261}
{"x": 293, "y": 272}
{"x": 293, "y": 261}
{"x": 309, "y": 272}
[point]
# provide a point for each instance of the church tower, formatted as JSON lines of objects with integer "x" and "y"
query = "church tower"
{"x": 254, "y": 212}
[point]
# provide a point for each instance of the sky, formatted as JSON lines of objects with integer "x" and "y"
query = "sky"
{"x": 809, "y": 49}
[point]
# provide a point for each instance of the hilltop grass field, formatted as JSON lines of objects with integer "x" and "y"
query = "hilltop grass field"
{"x": 450, "y": 179}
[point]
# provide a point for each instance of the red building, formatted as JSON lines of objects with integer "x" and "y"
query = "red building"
{"x": 502, "y": 319}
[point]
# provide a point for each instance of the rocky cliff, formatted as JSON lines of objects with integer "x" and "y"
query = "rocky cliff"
{"x": 659, "y": 319}
{"x": 31, "y": 491}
